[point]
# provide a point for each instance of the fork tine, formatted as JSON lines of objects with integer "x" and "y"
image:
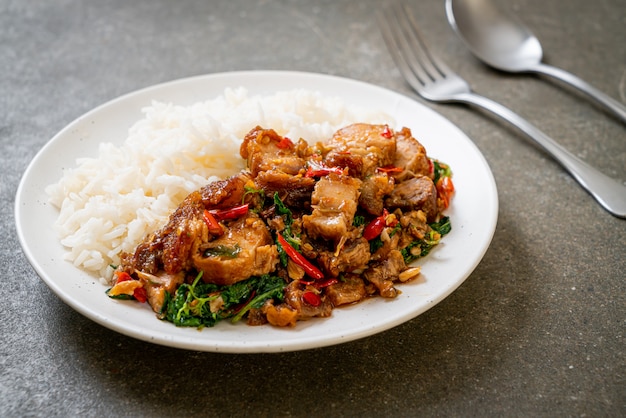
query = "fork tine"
{"x": 414, "y": 45}
{"x": 418, "y": 65}
{"x": 441, "y": 67}
{"x": 394, "y": 45}
{"x": 436, "y": 68}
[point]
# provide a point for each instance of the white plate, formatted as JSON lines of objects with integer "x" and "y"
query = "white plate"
{"x": 473, "y": 214}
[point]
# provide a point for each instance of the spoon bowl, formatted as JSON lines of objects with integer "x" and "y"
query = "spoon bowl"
{"x": 495, "y": 36}
{"x": 502, "y": 41}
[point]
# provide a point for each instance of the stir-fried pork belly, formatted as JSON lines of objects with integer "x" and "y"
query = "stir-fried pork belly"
{"x": 296, "y": 300}
{"x": 418, "y": 193}
{"x": 168, "y": 249}
{"x": 363, "y": 148}
{"x": 350, "y": 290}
{"x": 383, "y": 273}
{"x": 352, "y": 255}
{"x": 245, "y": 249}
{"x": 334, "y": 202}
{"x": 329, "y": 221}
{"x": 410, "y": 157}
{"x": 265, "y": 150}
{"x": 182, "y": 244}
{"x": 295, "y": 191}
{"x": 373, "y": 190}
{"x": 277, "y": 164}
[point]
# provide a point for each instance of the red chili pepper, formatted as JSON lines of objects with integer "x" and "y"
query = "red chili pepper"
{"x": 122, "y": 276}
{"x": 390, "y": 169}
{"x": 284, "y": 143}
{"x": 312, "y": 298}
{"x": 375, "y": 227}
{"x": 211, "y": 222}
{"x": 328, "y": 282}
{"x": 140, "y": 294}
{"x": 387, "y": 133}
{"x": 315, "y": 169}
{"x": 445, "y": 190}
{"x": 299, "y": 259}
{"x": 307, "y": 281}
{"x": 232, "y": 213}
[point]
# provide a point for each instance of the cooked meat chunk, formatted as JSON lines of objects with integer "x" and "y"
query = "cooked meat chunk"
{"x": 245, "y": 250}
{"x": 294, "y": 298}
{"x": 382, "y": 274}
{"x": 352, "y": 256}
{"x": 366, "y": 147}
{"x": 410, "y": 156}
{"x": 293, "y": 190}
{"x": 224, "y": 194}
{"x": 349, "y": 290}
{"x": 169, "y": 248}
{"x": 345, "y": 159}
{"x": 147, "y": 256}
{"x": 418, "y": 193}
{"x": 265, "y": 150}
{"x": 373, "y": 191}
{"x": 158, "y": 285}
{"x": 334, "y": 203}
{"x": 177, "y": 244}
{"x": 258, "y": 316}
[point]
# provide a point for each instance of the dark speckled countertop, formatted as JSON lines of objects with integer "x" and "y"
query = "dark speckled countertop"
{"x": 538, "y": 329}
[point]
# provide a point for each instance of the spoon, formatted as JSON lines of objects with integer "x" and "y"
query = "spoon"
{"x": 502, "y": 41}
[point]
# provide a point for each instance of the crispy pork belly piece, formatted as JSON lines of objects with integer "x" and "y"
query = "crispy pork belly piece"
{"x": 169, "y": 249}
{"x": 383, "y": 273}
{"x": 246, "y": 249}
{"x": 158, "y": 285}
{"x": 265, "y": 150}
{"x": 418, "y": 193}
{"x": 410, "y": 156}
{"x": 373, "y": 191}
{"x": 294, "y": 293}
{"x": 345, "y": 159}
{"x": 353, "y": 255}
{"x": 225, "y": 194}
{"x": 362, "y": 148}
{"x": 334, "y": 202}
{"x": 294, "y": 191}
{"x": 350, "y": 290}
{"x": 177, "y": 244}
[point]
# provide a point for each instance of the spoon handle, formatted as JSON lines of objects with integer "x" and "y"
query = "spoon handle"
{"x": 608, "y": 192}
{"x": 613, "y": 105}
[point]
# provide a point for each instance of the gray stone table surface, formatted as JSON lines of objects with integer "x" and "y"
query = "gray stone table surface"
{"x": 538, "y": 329}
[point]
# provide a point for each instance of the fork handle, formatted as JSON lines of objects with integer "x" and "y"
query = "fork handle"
{"x": 608, "y": 192}
{"x": 613, "y": 105}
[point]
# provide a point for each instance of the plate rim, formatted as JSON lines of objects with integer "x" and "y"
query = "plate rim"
{"x": 237, "y": 347}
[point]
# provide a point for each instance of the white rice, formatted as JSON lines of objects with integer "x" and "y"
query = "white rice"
{"x": 109, "y": 203}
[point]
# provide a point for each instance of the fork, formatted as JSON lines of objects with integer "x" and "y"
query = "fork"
{"x": 434, "y": 81}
